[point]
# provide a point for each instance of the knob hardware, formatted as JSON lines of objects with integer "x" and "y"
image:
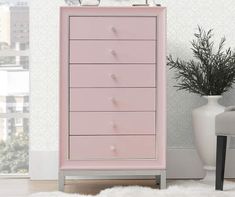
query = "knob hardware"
{"x": 113, "y": 125}
{"x": 113, "y": 29}
{"x": 113, "y": 148}
{"x": 113, "y": 76}
{"x": 113, "y": 52}
{"x": 113, "y": 100}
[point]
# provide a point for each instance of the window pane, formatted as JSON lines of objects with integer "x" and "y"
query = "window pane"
{"x": 14, "y": 145}
{"x": 14, "y": 63}
{"x": 14, "y": 104}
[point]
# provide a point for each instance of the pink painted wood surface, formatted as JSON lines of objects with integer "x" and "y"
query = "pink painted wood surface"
{"x": 94, "y": 51}
{"x": 63, "y": 90}
{"x": 120, "y": 75}
{"x": 112, "y": 147}
{"x": 160, "y": 161}
{"x": 112, "y": 123}
{"x": 112, "y": 99}
{"x": 161, "y": 119}
{"x": 112, "y": 11}
{"x": 113, "y": 28}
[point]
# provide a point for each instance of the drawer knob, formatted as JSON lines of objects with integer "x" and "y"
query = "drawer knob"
{"x": 113, "y": 100}
{"x": 113, "y": 29}
{"x": 112, "y": 76}
{"x": 113, "y": 52}
{"x": 113, "y": 125}
{"x": 113, "y": 148}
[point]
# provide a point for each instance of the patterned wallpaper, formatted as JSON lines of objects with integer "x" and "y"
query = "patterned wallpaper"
{"x": 183, "y": 17}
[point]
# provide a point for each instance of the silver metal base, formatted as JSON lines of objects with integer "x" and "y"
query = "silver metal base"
{"x": 112, "y": 174}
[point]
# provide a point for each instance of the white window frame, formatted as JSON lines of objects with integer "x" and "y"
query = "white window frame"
{"x": 11, "y": 52}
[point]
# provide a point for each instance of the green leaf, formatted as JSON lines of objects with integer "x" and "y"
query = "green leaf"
{"x": 209, "y": 73}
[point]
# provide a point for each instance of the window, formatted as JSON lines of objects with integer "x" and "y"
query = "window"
{"x": 14, "y": 86}
{"x": 19, "y": 123}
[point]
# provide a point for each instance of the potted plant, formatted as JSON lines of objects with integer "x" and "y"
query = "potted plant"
{"x": 210, "y": 74}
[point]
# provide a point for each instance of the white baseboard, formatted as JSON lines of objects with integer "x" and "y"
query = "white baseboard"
{"x": 181, "y": 164}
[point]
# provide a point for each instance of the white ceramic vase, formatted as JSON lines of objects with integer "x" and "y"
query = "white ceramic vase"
{"x": 204, "y": 133}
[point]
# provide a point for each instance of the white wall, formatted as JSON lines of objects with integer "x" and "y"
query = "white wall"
{"x": 183, "y": 18}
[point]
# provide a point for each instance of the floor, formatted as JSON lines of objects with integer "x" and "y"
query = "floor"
{"x": 24, "y": 187}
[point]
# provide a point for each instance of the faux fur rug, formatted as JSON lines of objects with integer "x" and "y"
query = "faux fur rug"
{"x": 174, "y": 189}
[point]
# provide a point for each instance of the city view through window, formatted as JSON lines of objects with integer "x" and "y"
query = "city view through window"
{"x": 14, "y": 86}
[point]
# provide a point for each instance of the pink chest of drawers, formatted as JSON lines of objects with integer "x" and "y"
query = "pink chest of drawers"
{"x": 112, "y": 92}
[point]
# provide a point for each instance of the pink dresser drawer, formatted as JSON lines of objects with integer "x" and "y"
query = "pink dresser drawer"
{"x": 93, "y": 51}
{"x": 112, "y": 75}
{"x": 112, "y": 147}
{"x": 112, "y": 123}
{"x": 112, "y": 99}
{"x": 112, "y": 27}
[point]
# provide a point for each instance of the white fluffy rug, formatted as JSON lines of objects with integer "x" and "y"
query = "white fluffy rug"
{"x": 174, "y": 189}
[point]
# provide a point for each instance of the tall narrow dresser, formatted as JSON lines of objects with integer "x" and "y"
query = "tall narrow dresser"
{"x": 112, "y": 92}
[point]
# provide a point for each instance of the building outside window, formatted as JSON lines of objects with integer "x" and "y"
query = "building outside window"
{"x": 14, "y": 86}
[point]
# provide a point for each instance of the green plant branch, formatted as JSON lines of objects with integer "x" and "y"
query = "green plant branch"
{"x": 210, "y": 73}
